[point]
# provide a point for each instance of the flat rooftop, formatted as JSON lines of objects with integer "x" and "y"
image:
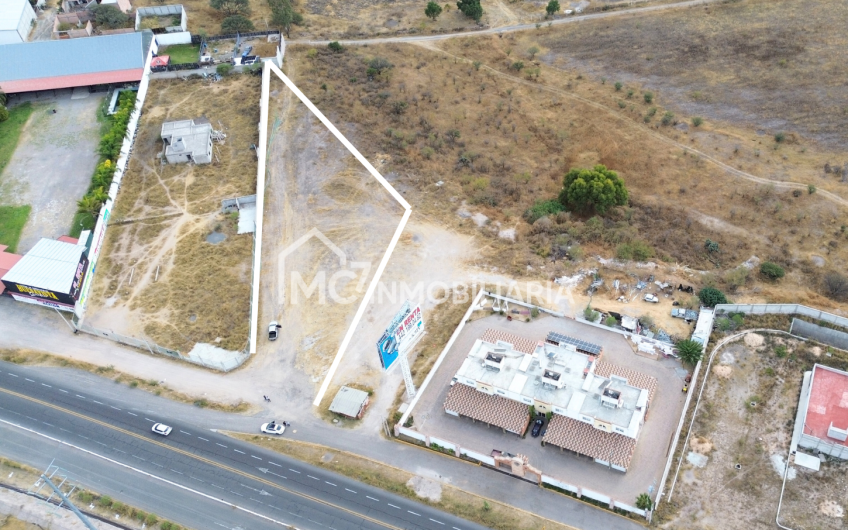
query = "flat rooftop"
{"x": 50, "y": 265}
{"x": 828, "y": 403}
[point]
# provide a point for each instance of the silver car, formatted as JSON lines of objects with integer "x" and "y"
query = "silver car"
{"x": 273, "y": 428}
{"x": 161, "y": 429}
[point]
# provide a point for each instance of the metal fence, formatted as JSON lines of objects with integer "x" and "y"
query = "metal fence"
{"x": 782, "y": 309}
{"x": 196, "y": 39}
{"x": 835, "y": 338}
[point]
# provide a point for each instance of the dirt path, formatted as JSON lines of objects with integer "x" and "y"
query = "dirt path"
{"x": 646, "y": 131}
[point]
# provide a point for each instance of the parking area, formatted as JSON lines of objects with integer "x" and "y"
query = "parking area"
{"x": 53, "y": 162}
{"x": 654, "y": 439}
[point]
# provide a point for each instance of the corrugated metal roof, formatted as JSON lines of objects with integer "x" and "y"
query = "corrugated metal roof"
{"x": 348, "y": 401}
{"x": 50, "y": 265}
{"x": 10, "y": 13}
{"x": 55, "y": 58}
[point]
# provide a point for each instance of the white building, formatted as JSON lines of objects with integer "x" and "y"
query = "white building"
{"x": 821, "y": 425}
{"x": 16, "y": 20}
{"x": 188, "y": 141}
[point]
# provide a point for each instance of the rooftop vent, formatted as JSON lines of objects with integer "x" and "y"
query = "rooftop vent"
{"x": 553, "y": 379}
{"x": 611, "y": 398}
{"x": 493, "y": 360}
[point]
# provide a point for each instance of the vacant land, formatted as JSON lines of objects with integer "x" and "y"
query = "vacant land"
{"x": 499, "y": 129}
{"x": 161, "y": 274}
{"x": 771, "y": 65}
{"x": 740, "y": 441}
{"x": 10, "y": 131}
{"x": 12, "y": 221}
{"x": 203, "y": 18}
{"x": 182, "y": 53}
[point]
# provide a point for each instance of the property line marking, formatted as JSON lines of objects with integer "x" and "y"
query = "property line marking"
{"x": 187, "y": 454}
{"x": 260, "y": 197}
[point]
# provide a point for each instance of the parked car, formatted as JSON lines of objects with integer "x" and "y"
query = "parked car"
{"x": 537, "y": 427}
{"x": 161, "y": 429}
{"x": 651, "y": 298}
{"x": 272, "y": 330}
{"x": 273, "y": 428}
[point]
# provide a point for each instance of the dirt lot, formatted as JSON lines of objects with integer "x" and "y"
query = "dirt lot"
{"x": 746, "y": 418}
{"x": 67, "y": 140}
{"x": 164, "y": 215}
{"x": 202, "y": 17}
{"x": 518, "y": 133}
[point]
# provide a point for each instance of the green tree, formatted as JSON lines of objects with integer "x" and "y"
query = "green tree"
{"x": 471, "y": 9}
{"x": 644, "y": 502}
{"x": 109, "y": 17}
{"x": 335, "y": 47}
{"x": 689, "y": 351}
{"x": 283, "y": 15}
{"x": 517, "y": 66}
{"x": 224, "y": 69}
{"x": 532, "y": 51}
{"x": 592, "y": 189}
{"x": 433, "y": 10}
{"x": 552, "y": 8}
{"x": 772, "y": 271}
{"x": 710, "y": 296}
{"x": 4, "y": 114}
{"x": 236, "y": 24}
{"x": 231, "y": 7}
{"x": 89, "y": 205}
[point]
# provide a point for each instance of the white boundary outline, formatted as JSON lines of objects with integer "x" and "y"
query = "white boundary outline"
{"x": 269, "y": 67}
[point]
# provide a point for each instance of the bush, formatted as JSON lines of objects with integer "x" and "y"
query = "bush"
{"x": 236, "y": 24}
{"x": 643, "y": 501}
{"x": 541, "y": 209}
{"x": 105, "y": 501}
{"x": 224, "y": 69}
{"x": 689, "y": 351}
{"x": 151, "y": 519}
{"x": 697, "y": 121}
{"x": 811, "y": 189}
{"x": 231, "y": 7}
{"x": 635, "y": 250}
{"x": 781, "y": 351}
{"x": 710, "y": 296}
{"x": 835, "y": 285}
{"x": 610, "y": 321}
{"x": 668, "y": 118}
{"x": 772, "y": 271}
{"x": 590, "y": 314}
{"x": 593, "y": 189}
{"x": 4, "y": 114}
{"x": 779, "y": 137}
{"x": 618, "y": 86}
{"x": 335, "y": 47}
{"x": 736, "y": 278}
{"x": 109, "y": 17}
{"x": 575, "y": 253}
{"x": 649, "y": 97}
{"x": 517, "y": 66}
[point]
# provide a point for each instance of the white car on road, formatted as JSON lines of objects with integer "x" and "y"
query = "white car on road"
{"x": 162, "y": 429}
{"x": 273, "y": 428}
{"x": 652, "y": 298}
{"x": 272, "y": 330}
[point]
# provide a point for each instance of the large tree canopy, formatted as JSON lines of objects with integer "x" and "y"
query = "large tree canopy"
{"x": 592, "y": 189}
{"x": 471, "y": 9}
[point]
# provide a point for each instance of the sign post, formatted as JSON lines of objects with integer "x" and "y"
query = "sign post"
{"x": 402, "y": 334}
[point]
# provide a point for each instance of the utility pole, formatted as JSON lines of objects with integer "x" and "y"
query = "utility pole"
{"x": 47, "y": 478}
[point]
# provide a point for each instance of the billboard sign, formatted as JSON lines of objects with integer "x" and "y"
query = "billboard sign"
{"x": 405, "y": 330}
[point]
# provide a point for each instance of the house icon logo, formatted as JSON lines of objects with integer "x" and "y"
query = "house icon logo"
{"x": 320, "y": 282}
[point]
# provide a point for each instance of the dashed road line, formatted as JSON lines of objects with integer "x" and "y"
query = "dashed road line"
{"x": 79, "y": 396}
{"x": 13, "y": 375}
{"x": 217, "y": 486}
{"x": 65, "y": 391}
{"x": 222, "y": 445}
{"x": 48, "y": 424}
{"x": 66, "y": 430}
{"x": 435, "y": 521}
{"x": 393, "y": 506}
{"x": 237, "y": 451}
{"x": 330, "y": 483}
{"x": 182, "y": 431}
{"x": 81, "y": 436}
{"x": 296, "y": 515}
{"x": 296, "y": 471}
{"x": 204, "y": 439}
{"x": 350, "y": 490}
{"x": 100, "y": 443}
{"x": 197, "y": 479}
{"x": 234, "y": 493}
{"x": 148, "y": 419}
{"x": 116, "y": 408}
{"x": 99, "y": 403}
{"x": 372, "y": 498}
{"x": 256, "y": 500}
{"x": 30, "y": 417}
{"x": 313, "y": 478}
{"x": 140, "y": 458}
{"x": 155, "y": 464}
{"x": 175, "y": 471}
{"x": 256, "y": 457}
{"x": 116, "y": 449}
{"x": 131, "y": 414}
{"x": 274, "y": 464}
{"x": 45, "y": 384}
{"x": 413, "y": 513}
{"x": 28, "y": 379}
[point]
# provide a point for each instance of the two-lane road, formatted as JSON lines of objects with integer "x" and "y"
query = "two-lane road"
{"x": 267, "y": 488}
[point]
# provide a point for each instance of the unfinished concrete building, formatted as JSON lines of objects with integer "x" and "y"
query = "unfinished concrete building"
{"x": 188, "y": 141}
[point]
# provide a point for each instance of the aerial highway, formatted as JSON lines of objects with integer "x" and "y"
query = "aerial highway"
{"x": 194, "y": 476}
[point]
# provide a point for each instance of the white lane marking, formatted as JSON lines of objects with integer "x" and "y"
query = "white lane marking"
{"x": 204, "y": 439}
{"x": 44, "y": 384}
{"x": 350, "y": 490}
{"x": 175, "y": 471}
{"x": 13, "y": 375}
{"x": 273, "y": 464}
{"x": 298, "y": 472}
{"x": 28, "y": 379}
{"x": 30, "y": 417}
{"x": 239, "y": 494}
{"x": 413, "y": 513}
{"x": 314, "y": 478}
{"x": 435, "y": 521}
{"x": 160, "y": 465}
{"x": 99, "y": 403}
{"x": 182, "y": 431}
{"x": 79, "y": 396}
{"x": 330, "y": 483}
{"x": 237, "y": 451}
{"x": 116, "y": 408}
{"x": 48, "y": 424}
{"x": 393, "y": 506}
{"x": 455, "y": 528}
{"x": 130, "y": 413}
{"x": 222, "y": 445}
{"x": 276, "y": 475}
{"x": 373, "y": 499}
{"x": 66, "y": 430}
{"x": 65, "y": 391}
{"x": 217, "y": 486}
{"x": 256, "y": 457}
{"x": 81, "y": 436}
{"x": 100, "y": 443}
{"x": 255, "y": 500}
{"x": 140, "y": 458}
{"x": 116, "y": 449}
{"x": 148, "y": 419}
{"x": 296, "y": 515}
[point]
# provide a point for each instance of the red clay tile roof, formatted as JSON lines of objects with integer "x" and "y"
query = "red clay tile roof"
{"x": 585, "y": 439}
{"x": 494, "y": 410}
{"x": 70, "y": 81}
{"x": 521, "y": 344}
{"x": 634, "y": 378}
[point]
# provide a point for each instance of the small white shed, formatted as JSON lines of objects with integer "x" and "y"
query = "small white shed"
{"x": 16, "y": 20}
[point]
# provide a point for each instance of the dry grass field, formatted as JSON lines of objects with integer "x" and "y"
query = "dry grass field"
{"x": 746, "y": 418}
{"x": 202, "y": 17}
{"x": 501, "y": 138}
{"x": 164, "y": 215}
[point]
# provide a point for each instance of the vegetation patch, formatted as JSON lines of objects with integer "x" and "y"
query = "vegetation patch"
{"x": 12, "y": 221}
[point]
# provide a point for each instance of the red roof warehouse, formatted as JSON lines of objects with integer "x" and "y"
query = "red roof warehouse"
{"x": 50, "y": 65}
{"x": 824, "y": 402}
